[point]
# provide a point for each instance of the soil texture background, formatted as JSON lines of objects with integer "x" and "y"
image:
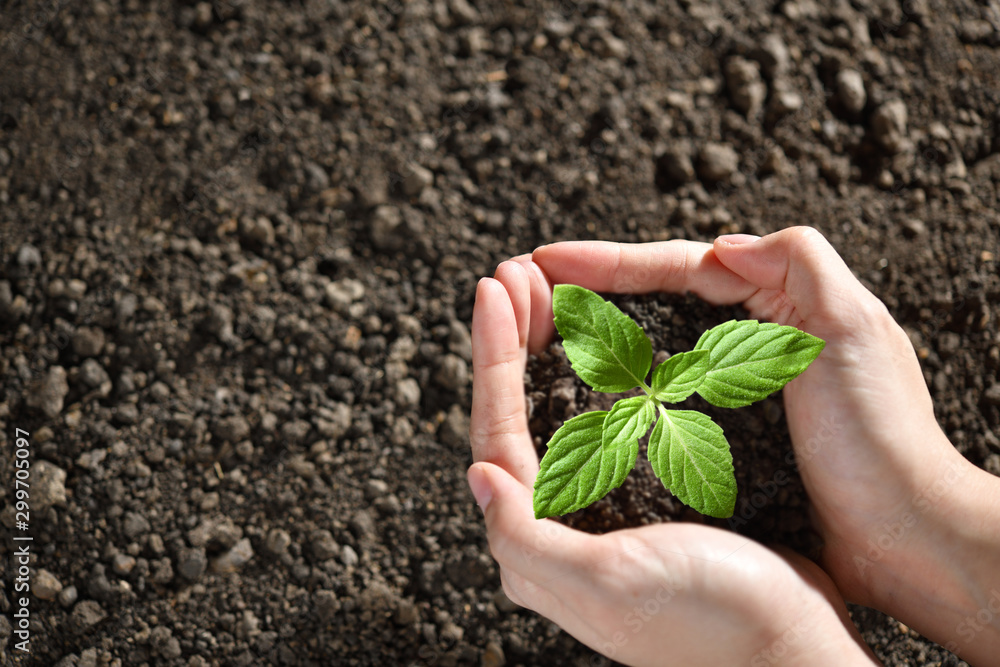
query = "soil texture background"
{"x": 239, "y": 242}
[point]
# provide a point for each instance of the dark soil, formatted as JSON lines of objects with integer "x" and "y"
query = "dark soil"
{"x": 239, "y": 242}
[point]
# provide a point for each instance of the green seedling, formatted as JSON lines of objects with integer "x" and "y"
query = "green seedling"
{"x": 732, "y": 365}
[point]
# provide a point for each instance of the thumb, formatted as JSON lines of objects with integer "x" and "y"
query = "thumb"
{"x": 537, "y": 550}
{"x": 800, "y": 263}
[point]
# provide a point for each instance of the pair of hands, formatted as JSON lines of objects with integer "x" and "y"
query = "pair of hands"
{"x": 871, "y": 455}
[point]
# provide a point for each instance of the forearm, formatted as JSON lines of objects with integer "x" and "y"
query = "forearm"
{"x": 947, "y": 585}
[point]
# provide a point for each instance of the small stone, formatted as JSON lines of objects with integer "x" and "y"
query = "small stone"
{"x": 203, "y": 15}
{"x": 323, "y": 545}
{"x": 277, "y": 542}
{"x": 340, "y": 294}
{"x": 453, "y": 372}
{"x": 123, "y": 564}
{"x": 851, "y": 90}
{"x": 234, "y": 559}
{"x": 232, "y": 429}
{"x": 773, "y": 56}
{"x": 326, "y": 604}
{"x": 452, "y": 633}
{"x": 88, "y": 341}
{"x": 992, "y": 394}
{"x": 386, "y": 228}
{"x": 162, "y": 641}
{"x": 28, "y": 257}
{"x": 67, "y": 596}
{"x": 912, "y": 227}
{"x": 47, "y": 395}
{"x": 786, "y": 101}
{"x": 562, "y": 397}
{"x": 317, "y": 179}
{"x": 334, "y": 422}
{"x": 98, "y": 585}
{"x": 417, "y": 179}
{"x": 48, "y": 486}
{"x": 192, "y": 563}
{"x": 717, "y": 162}
{"x": 493, "y": 656}
{"x": 407, "y": 393}
{"x": 971, "y": 31}
{"x": 94, "y": 376}
{"x": 86, "y": 614}
{"x": 454, "y": 431}
{"x": 135, "y": 525}
{"x": 88, "y": 658}
{"x": 126, "y": 413}
{"x": 407, "y": 613}
{"x": 375, "y": 488}
{"x": 45, "y": 586}
{"x": 363, "y": 524}
{"x": 746, "y": 88}
{"x": 675, "y": 167}
{"x": 219, "y": 322}
{"x": 460, "y": 340}
{"x": 257, "y": 232}
{"x": 889, "y": 125}
{"x": 295, "y": 431}
{"x": 377, "y": 597}
{"x": 463, "y": 12}
{"x": 348, "y": 556}
{"x": 161, "y": 571}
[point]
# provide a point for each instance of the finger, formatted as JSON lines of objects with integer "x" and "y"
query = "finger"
{"x": 798, "y": 262}
{"x": 542, "y": 329}
{"x": 513, "y": 276}
{"x": 498, "y": 429}
{"x": 670, "y": 266}
{"x": 545, "y": 555}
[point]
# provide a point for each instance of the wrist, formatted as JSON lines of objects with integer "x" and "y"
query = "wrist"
{"x": 945, "y": 581}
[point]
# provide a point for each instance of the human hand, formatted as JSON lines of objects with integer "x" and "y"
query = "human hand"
{"x": 669, "y": 593}
{"x": 891, "y": 497}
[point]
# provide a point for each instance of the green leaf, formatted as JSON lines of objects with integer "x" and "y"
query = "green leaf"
{"x": 691, "y": 457}
{"x": 679, "y": 376}
{"x": 607, "y": 349}
{"x": 749, "y": 360}
{"x": 629, "y": 420}
{"x": 577, "y": 469}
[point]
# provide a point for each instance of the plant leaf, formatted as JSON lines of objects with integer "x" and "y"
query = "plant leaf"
{"x": 607, "y": 349}
{"x": 691, "y": 457}
{"x": 679, "y": 376}
{"x": 628, "y": 420}
{"x": 577, "y": 469}
{"x": 749, "y": 360}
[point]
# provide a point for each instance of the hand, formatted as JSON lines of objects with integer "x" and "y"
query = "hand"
{"x": 901, "y": 512}
{"x": 671, "y": 593}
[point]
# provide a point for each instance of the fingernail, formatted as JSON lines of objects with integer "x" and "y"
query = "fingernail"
{"x": 738, "y": 239}
{"x": 480, "y": 485}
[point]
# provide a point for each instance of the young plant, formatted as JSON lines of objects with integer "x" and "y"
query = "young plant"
{"x": 732, "y": 365}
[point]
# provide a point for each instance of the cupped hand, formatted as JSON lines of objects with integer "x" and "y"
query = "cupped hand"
{"x": 663, "y": 594}
{"x": 879, "y": 471}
